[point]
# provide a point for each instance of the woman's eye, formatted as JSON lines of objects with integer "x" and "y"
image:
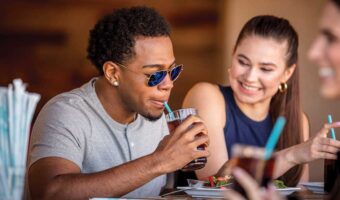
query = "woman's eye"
{"x": 266, "y": 69}
{"x": 330, "y": 38}
{"x": 243, "y": 63}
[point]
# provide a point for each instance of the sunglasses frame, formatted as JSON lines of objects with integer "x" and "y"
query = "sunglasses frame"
{"x": 148, "y": 76}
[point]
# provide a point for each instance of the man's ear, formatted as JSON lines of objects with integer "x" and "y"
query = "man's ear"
{"x": 111, "y": 71}
{"x": 288, "y": 73}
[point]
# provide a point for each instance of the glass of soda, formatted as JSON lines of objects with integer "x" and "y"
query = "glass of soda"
{"x": 174, "y": 119}
{"x": 251, "y": 159}
{"x": 331, "y": 172}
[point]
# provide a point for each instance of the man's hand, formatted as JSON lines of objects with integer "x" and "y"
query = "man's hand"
{"x": 180, "y": 147}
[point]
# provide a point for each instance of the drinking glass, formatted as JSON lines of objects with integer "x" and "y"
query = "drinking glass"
{"x": 331, "y": 172}
{"x": 251, "y": 159}
{"x": 174, "y": 119}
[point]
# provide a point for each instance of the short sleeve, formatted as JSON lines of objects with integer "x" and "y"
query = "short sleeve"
{"x": 59, "y": 131}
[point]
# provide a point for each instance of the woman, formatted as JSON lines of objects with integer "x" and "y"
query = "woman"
{"x": 325, "y": 52}
{"x": 264, "y": 83}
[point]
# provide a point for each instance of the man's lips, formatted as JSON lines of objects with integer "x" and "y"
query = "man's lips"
{"x": 159, "y": 103}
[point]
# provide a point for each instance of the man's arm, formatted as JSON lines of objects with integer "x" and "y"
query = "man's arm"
{"x": 58, "y": 178}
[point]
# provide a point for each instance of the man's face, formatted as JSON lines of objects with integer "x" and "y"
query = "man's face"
{"x": 152, "y": 54}
{"x": 325, "y": 51}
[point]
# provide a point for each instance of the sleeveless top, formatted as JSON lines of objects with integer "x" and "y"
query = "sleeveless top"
{"x": 241, "y": 129}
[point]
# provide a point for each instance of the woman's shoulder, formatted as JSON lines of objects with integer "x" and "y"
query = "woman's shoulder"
{"x": 207, "y": 98}
{"x": 209, "y": 101}
{"x": 204, "y": 91}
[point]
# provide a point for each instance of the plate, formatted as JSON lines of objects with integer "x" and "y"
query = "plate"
{"x": 203, "y": 192}
{"x": 316, "y": 187}
{"x": 288, "y": 190}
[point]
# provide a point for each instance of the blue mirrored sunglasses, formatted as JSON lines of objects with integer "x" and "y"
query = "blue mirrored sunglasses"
{"x": 158, "y": 76}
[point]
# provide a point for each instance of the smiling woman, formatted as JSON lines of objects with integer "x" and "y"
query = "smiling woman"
{"x": 325, "y": 50}
{"x": 264, "y": 84}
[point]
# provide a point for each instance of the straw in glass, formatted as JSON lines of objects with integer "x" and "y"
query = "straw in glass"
{"x": 330, "y": 120}
{"x": 274, "y": 137}
{"x": 167, "y": 107}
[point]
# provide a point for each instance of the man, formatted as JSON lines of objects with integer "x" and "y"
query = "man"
{"x": 105, "y": 139}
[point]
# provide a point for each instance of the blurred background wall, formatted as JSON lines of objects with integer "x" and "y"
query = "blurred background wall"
{"x": 44, "y": 43}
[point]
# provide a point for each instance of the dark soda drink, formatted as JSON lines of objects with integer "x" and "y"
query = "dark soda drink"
{"x": 331, "y": 173}
{"x": 251, "y": 159}
{"x": 175, "y": 120}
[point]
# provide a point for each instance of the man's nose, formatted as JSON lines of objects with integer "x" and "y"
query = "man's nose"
{"x": 166, "y": 83}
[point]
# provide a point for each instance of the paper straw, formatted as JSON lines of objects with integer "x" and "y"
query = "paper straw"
{"x": 16, "y": 111}
{"x": 330, "y": 120}
{"x": 274, "y": 136}
{"x": 10, "y": 121}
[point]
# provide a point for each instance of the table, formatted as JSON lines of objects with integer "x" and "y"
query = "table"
{"x": 303, "y": 195}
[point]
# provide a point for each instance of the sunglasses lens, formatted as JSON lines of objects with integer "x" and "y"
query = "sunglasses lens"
{"x": 156, "y": 78}
{"x": 175, "y": 72}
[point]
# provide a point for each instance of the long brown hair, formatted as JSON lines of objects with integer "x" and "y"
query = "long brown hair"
{"x": 336, "y": 2}
{"x": 286, "y": 103}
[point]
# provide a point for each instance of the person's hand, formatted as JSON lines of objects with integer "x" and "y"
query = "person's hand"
{"x": 318, "y": 147}
{"x": 252, "y": 188}
{"x": 180, "y": 147}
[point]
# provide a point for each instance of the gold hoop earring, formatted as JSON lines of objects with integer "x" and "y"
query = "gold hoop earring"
{"x": 115, "y": 83}
{"x": 283, "y": 87}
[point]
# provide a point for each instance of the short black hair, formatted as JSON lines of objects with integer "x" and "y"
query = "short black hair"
{"x": 113, "y": 37}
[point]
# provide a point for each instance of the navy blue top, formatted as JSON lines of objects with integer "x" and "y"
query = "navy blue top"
{"x": 241, "y": 129}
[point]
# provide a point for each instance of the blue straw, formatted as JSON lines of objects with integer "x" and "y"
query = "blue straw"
{"x": 274, "y": 136}
{"x": 167, "y": 107}
{"x": 332, "y": 129}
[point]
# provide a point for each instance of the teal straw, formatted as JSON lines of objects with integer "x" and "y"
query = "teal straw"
{"x": 274, "y": 136}
{"x": 167, "y": 107}
{"x": 332, "y": 129}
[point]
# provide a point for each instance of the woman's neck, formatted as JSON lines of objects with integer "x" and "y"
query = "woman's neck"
{"x": 257, "y": 111}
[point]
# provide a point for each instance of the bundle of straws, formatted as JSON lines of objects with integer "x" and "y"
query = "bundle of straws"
{"x": 16, "y": 112}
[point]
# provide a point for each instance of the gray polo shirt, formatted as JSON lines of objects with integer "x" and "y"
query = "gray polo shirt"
{"x": 75, "y": 126}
